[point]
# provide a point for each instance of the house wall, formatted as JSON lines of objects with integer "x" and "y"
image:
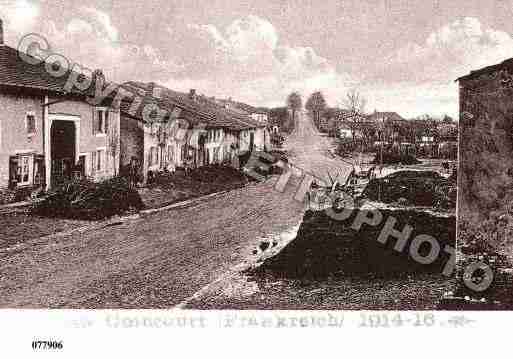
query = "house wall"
{"x": 485, "y": 173}
{"x": 262, "y": 117}
{"x": 260, "y": 139}
{"x": 89, "y": 141}
{"x": 132, "y": 141}
{"x": 13, "y": 132}
{"x": 138, "y": 140}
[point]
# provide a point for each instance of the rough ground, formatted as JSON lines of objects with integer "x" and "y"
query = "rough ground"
{"x": 161, "y": 260}
{"x": 270, "y": 289}
{"x": 419, "y": 292}
{"x": 177, "y": 187}
{"x": 151, "y": 262}
{"x": 18, "y": 227}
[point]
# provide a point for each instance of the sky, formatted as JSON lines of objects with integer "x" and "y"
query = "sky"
{"x": 402, "y": 56}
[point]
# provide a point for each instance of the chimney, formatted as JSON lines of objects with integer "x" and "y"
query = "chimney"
{"x": 192, "y": 94}
{"x": 1, "y": 32}
{"x": 98, "y": 76}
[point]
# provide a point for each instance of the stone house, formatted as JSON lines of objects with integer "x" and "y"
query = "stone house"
{"x": 485, "y": 174}
{"x": 193, "y": 131}
{"x": 47, "y": 134}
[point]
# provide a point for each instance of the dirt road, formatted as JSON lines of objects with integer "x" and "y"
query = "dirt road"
{"x": 310, "y": 150}
{"x": 161, "y": 259}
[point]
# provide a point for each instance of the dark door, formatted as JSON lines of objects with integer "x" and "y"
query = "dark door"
{"x": 62, "y": 150}
{"x": 251, "y": 141}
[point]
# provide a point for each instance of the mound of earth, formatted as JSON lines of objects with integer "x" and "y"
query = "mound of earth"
{"x": 417, "y": 188}
{"x": 84, "y": 199}
{"x": 327, "y": 247}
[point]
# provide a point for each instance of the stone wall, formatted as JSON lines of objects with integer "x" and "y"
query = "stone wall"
{"x": 485, "y": 175}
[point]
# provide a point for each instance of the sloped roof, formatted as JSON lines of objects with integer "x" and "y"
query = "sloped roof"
{"x": 199, "y": 110}
{"x": 390, "y": 116}
{"x": 344, "y": 114}
{"x": 15, "y": 72}
{"x": 506, "y": 64}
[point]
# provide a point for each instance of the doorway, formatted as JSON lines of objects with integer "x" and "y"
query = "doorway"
{"x": 62, "y": 149}
{"x": 251, "y": 141}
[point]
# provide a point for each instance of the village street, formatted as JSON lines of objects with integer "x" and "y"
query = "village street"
{"x": 160, "y": 260}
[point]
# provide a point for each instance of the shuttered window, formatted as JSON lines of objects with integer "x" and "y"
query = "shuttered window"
{"x": 154, "y": 157}
{"x": 100, "y": 160}
{"x": 25, "y": 170}
{"x": 31, "y": 123}
{"x": 106, "y": 119}
{"x": 100, "y": 121}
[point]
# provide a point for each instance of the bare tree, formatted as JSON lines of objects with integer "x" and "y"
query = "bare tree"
{"x": 355, "y": 105}
{"x": 316, "y": 104}
{"x": 294, "y": 103}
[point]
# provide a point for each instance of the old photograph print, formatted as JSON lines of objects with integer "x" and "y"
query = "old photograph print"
{"x": 255, "y": 154}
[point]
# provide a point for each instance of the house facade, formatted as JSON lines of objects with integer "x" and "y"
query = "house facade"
{"x": 48, "y": 135}
{"x": 485, "y": 161}
{"x": 194, "y": 131}
{"x": 260, "y": 116}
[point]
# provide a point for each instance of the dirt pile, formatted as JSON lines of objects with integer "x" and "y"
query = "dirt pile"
{"x": 217, "y": 173}
{"x": 326, "y": 247}
{"x": 84, "y": 199}
{"x": 417, "y": 188}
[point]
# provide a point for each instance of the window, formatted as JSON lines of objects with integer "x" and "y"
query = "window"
{"x": 100, "y": 160}
{"x": 216, "y": 154}
{"x": 39, "y": 165}
{"x": 170, "y": 154}
{"x": 31, "y": 123}
{"x": 153, "y": 156}
{"x": 106, "y": 120}
{"x": 101, "y": 121}
{"x": 24, "y": 169}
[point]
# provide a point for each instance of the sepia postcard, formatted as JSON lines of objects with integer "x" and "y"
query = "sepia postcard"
{"x": 174, "y": 165}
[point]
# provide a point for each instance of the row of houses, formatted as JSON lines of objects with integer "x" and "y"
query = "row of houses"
{"x": 49, "y": 132}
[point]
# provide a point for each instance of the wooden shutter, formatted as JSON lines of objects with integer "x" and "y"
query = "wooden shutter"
{"x": 93, "y": 163}
{"x": 13, "y": 171}
{"x": 106, "y": 119}
{"x": 95, "y": 121}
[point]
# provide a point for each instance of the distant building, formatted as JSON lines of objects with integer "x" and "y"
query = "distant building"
{"x": 261, "y": 116}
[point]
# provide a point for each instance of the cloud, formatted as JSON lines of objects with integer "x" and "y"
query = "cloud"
{"x": 246, "y": 60}
{"x": 89, "y": 39}
{"x": 412, "y": 99}
{"x": 419, "y": 77}
{"x": 101, "y": 22}
{"x": 19, "y": 15}
{"x": 447, "y": 53}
